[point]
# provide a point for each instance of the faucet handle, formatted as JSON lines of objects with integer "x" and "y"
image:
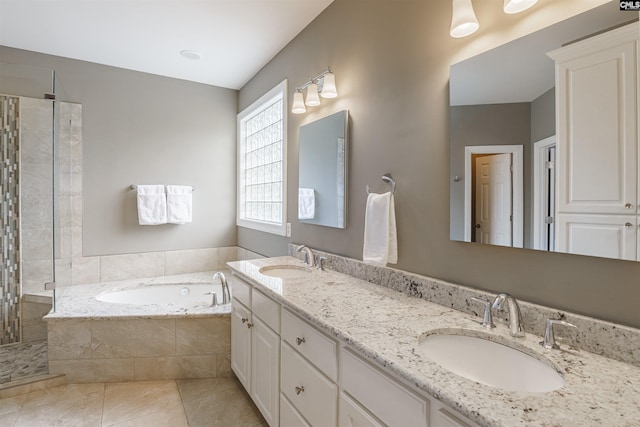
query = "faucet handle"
{"x": 321, "y": 261}
{"x": 549, "y": 338}
{"x": 487, "y": 322}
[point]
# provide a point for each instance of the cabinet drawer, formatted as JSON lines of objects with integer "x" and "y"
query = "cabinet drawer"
{"x": 289, "y": 417}
{"x": 241, "y": 291}
{"x": 383, "y": 396}
{"x": 310, "y": 392}
{"x": 266, "y": 309}
{"x": 312, "y": 344}
{"x": 353, "y": 415}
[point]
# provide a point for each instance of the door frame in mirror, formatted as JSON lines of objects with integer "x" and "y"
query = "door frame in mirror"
{"x": 517, "y": 153}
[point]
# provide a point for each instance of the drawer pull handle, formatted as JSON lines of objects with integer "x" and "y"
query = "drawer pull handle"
{"x": 628, "y": 205}
{"x": 245, "y": 320}
{"x": 300, "y": 340}
{"x": 628, "y": 225}
{"x": 249, "y": 325}
{"x": 299, "y": 389}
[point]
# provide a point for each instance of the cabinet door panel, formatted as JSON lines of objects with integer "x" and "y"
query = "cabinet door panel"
{"x": 609, "y": 236}
{"x": 597, "y": 130}
{"x": 241, "y": 343}
{"x": 265, "y": 368}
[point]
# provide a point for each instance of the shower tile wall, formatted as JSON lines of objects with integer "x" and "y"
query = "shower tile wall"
{"x": 10, "y": 221}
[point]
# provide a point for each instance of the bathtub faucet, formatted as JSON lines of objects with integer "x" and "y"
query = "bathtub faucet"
{"x": 226, "y": 294}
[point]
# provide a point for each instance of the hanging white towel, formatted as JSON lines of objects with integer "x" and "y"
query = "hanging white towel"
{"x": 380, "y": 235}
{"x": 152, "y": 205}
{"x": 306, "y": 203}
{"x": 179, "y": 204}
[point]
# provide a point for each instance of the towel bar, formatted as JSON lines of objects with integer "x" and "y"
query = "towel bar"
{"x": 135, "y": 187}
{"x": 387, "y": 178}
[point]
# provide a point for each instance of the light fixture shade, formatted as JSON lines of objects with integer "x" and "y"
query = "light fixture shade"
{"x": 329, "y": 86}
{"x": 463, "y": 21}
{"x": 298, "y": 103}
{"x": 515, "y": 6}
{"x": 312, "y": 95}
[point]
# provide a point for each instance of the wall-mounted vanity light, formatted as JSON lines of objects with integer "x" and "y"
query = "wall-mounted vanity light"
{"x": 465, "y": 23}
{"x": 323, "y": 84}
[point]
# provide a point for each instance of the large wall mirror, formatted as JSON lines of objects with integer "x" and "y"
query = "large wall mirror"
{"x": 503, "y": 147}
{"x": 322, "y": 185}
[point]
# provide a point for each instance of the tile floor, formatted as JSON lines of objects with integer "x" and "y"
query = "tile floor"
{"x": 198, "y": 402}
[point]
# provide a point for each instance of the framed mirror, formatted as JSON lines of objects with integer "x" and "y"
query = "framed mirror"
{"x": 322, "y": 182}
{"x": 504, "y": 178}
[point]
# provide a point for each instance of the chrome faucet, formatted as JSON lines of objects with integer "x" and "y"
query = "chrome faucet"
{"x": 515, "y": 317}
{"x": 226, "y": 294}
{"x": 309, "y": 259}
{"x": 549, "y": 338}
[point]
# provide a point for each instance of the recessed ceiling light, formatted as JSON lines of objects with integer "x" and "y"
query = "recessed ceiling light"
{"x": 190, "y": 54}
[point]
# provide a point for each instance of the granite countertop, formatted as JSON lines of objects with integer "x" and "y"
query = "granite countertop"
{"x": 386, "y": 326}
{"x": 79, "y": 302}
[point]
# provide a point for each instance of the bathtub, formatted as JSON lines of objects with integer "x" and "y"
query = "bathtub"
{"x": 173, "y": 294}
{"x": 151, "y": 329}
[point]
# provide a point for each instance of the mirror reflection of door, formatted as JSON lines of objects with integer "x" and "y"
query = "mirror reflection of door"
{"x": 493, "y": 195}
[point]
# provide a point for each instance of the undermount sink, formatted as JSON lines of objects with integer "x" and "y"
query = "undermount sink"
{"x": 490, "y": 363}
{"x": 285, "y": 271}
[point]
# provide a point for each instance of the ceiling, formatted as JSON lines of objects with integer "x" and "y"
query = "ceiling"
{"x": 235, "y": 38}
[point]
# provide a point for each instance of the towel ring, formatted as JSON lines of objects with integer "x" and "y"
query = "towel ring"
{"x": 387, "y": 178}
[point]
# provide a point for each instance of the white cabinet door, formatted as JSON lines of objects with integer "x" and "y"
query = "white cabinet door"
{"x": 609, "y": 236}
{"x": 351, "y": 414}
{"x": 596, "y": 83}
{"x": 241, "y": 343}
{"x": 265, "y": 368}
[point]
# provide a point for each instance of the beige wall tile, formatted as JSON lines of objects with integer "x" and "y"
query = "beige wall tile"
{"x": 223, "y": 365}
{"x": 34, "y": 275}
{"x": 94, "y": 370}
{"x": 132, "y": 338}
{"x": 132, "y": 266}
{"x": 85, "y": 270}
{"x": 69, "y": 339}
{"x": 203, "y": 335}
{"x": 225, "y": 255}
{"x": 191, "y": 261}
{"x": 161, "y": 368}
{"x": 36, "y": 243}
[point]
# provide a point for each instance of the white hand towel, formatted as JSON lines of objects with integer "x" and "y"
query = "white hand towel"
{"x": 152, "y": 205}
{"x": 306, "y": 203}
{"x": 380, "y": 234}
{"x": 179, "y": 204}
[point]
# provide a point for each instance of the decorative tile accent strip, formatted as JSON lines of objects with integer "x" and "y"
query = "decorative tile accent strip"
{"x": 608, "y": 339}
{"x": 9, "y": 220}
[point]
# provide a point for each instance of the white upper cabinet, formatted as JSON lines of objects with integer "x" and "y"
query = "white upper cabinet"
{"x": 597, "y": 123}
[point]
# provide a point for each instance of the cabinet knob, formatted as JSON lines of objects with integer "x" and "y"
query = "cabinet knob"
{"x": 628, "y": 225}
{"x": 249, "y": 325}
{"x": 299, "y": 389}
{"x": 300, "y": 340}
{"x": 628, "y": 205}
{"x": 245, "y": 320}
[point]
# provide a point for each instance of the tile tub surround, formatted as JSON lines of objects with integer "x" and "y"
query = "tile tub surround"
{"x": 93, "y": 341}
{"x": 385, "y": 327}
{"x": 607, "y": 339}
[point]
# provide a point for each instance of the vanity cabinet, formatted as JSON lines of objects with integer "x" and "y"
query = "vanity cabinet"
{"x": 597, "y": 144}
{"x": 299, "y": 377}
{"x": 255, "y": 347}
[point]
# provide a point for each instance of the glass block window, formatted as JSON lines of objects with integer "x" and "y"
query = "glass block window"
{"x": 262, "y": 163}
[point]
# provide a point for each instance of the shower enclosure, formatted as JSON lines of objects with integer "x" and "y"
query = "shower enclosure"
{"x": 34, "y": 127}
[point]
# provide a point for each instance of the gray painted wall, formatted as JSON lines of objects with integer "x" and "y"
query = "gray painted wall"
{"x": 391, "y": 61}
{"x": 493, "y": 124}
{"x": 144, "y": 129}
{"x": 543, "y": 116}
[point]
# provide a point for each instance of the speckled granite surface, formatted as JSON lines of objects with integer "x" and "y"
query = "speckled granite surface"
{"x": 78, "y": 302}
{"x": 596, "y": 336}
{"x": 386, "y": 326}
